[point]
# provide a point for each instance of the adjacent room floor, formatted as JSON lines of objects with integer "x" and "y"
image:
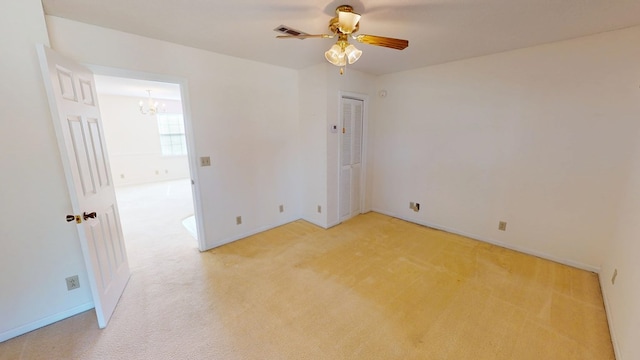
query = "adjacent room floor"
{"x": 373, "y": 287}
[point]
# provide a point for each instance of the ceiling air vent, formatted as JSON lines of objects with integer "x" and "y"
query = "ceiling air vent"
{"x": 289, "y": 31}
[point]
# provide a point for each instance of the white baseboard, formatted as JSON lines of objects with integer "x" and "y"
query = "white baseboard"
{"x": 528, "y": 251}
{"x": 335, "y": 223}
{"x": 314, "y": 223}
{"x": 249, "y": 233}
{"x": 607, "y": 309}
{"x": 45, "y": 321}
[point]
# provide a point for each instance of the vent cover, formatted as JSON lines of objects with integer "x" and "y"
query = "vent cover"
{"x": 289, "y": 31}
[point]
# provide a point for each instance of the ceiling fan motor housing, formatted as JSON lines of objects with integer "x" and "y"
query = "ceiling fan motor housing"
{"x": 334, "y": 23}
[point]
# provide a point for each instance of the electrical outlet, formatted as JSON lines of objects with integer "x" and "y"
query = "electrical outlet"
{"x": 121, "y": 176}
{"x": 319, "y": 209}
{"x": 615, "y": 275}
{"x": 238, "y": 220}
{"x": 73, "y": 282}
{"x": 281, "y": 208}
{"x": 502, "y": 226}
{"x": 205, "y": 161}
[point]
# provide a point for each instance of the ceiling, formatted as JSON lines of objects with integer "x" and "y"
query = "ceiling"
{"x": 438, "y": 30}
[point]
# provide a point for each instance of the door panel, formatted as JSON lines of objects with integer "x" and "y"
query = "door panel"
{"x": 99, "y": 153}
{"x": 84, "y": 156}
{"x": 355, "y": 189}
{"x": 345, "y": 193}
{"x": 82, "y": 167}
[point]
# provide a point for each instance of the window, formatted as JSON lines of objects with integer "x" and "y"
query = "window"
{"x": 172, "y": 139}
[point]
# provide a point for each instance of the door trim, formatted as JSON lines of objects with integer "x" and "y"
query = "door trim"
{"x": 189, "y": 133}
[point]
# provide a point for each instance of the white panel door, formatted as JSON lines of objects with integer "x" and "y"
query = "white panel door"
{"x": 351, "y": 158}
{"x": 74, "y": 107}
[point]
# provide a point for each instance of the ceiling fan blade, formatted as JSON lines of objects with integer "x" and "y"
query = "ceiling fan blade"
{"x": 398, "y": 44}
{"x": 307, "y": 36}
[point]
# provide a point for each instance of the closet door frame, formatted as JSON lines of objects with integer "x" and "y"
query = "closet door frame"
{"x": 363, "y": 163}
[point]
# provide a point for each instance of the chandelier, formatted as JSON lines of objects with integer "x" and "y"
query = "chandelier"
{"x": 152, "y": 106}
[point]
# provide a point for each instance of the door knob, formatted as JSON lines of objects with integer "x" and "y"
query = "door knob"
{"x": 91, "y": 215}
{"x": 70, "y": 218}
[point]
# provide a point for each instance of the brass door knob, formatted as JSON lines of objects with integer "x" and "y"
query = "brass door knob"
{"x": 71, "y": 218}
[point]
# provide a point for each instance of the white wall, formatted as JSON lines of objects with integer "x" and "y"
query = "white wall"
{"x": 313, "y": 142}
{"x": 38, "y": 249}
{"x": 133, "y": 142}
{"x": 538, "y": 137}
{"x": 543, "y": 138}
{"x": 244, "y": 116}
{"x": 623, "y": 298}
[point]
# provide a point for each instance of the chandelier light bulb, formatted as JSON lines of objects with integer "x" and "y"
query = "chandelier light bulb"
{"x": 336, "y": 55}
{"x": 352, "y": 53}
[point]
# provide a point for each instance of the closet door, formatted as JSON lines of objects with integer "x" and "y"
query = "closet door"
{"x": 351, "y": 158}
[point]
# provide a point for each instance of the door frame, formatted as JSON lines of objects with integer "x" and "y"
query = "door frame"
{"x": 189, "y": 134}
{"x": 365, "y": 139}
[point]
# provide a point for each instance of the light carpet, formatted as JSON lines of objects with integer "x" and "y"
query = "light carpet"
{"x": 373, "y": 287}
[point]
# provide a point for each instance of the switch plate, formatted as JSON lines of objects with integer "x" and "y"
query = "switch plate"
{"x": 238, "y": 220}
{"x": 281, "y": 208}
{"x": 205, "y": 161}
{"x": 502, "y": 226}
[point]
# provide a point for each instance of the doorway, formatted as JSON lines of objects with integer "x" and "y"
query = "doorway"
{"x": 145, "y": 132}
{"x": 351, "y": 157}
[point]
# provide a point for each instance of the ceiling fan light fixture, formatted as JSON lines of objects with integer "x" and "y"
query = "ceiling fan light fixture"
{"x": 343, "y": 26}
{"x": 336, "y": 55}
{"x": 352, "y": 53}
{"x": 347, "y": 21}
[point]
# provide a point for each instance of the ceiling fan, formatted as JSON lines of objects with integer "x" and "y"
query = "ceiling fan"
{"x": 344, "y": 25}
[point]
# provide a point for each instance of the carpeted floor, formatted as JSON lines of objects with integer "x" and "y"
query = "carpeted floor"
{"x": 373, "y": 287}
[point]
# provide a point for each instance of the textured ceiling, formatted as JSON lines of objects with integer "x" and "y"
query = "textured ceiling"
{"x": 438, "y": 30}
